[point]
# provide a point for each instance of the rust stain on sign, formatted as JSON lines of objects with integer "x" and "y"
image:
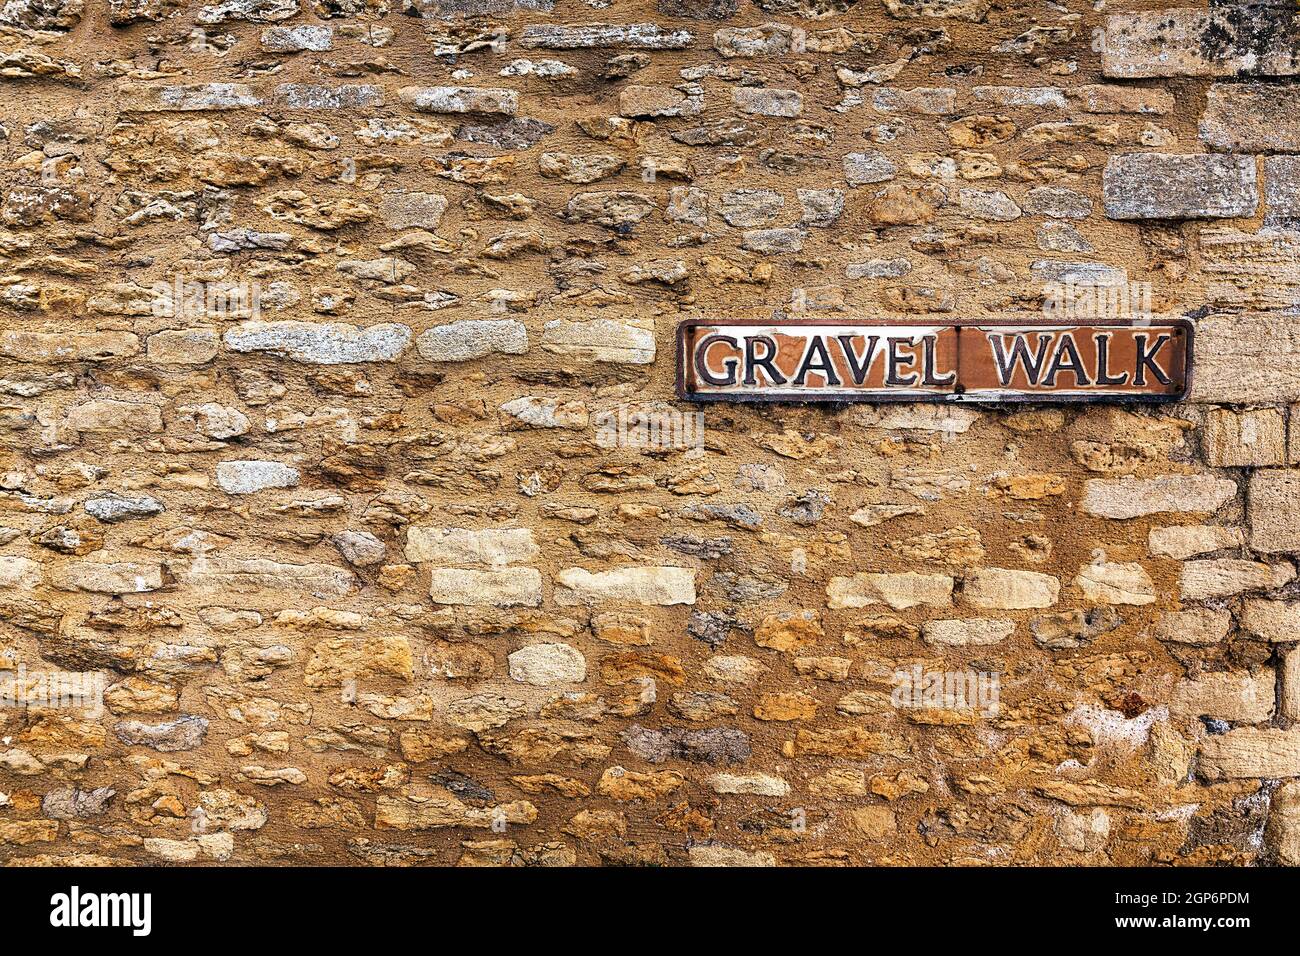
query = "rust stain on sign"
{"x": 973, "y": 361}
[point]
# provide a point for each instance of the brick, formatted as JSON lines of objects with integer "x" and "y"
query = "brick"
{"x": 1010, "y": 589}
{"x": 247, "y": 477}
{"x": 413, "y": 210}
{"x": 990, "y": 204}
{"x": 530, "y": 411}
{"x": 18, "y": 572}
{"x": 471, "y": 339}
{"x": 1242, "y": 439}
{"x": 309, "y": 96}
{"x": 613, "y": 209}
{"x": 61, "y": 347}
{"x": 508, "y": 587}
{"x": 1181, "y": 542}
{"x": 58, "y": 15}
{"x": 1251, "y": 753}
{"x": 111, "y": 415}
{"x": 636, "y": 36}
{"x": 400, "y": 813}
{"x": 1274, "y": 510}
{"x": 1290, "y": 707}
{"x": 922, "y": 101}
{"x": 250, "y": 575}
{"x": 1109, "y": 582}
{"x": 861, "y": 169}
{"x": 1245, "y": 359}
{"x": 698, "y": 9}
{"x": 601, "y": 340}
{"x": 545, "y": 664}
{"x": 460, "y": 99}
{"x": 750, "y": 207}
{"x": 1282, "y": 190}
{"x": 1166, "y": 186}
{"x": 639, "y": 585}
{"x": 1277, "y": 621}
{"x": 459, "y": 547}
{"x": 772, "y": 240}
{"x": 1041, "y": 96}
{"x": 713, "y": 855}
{"x": 770, "y": 39}
{"x": 1250, "y": 271}
{"x": 765, "y": 102}
{"x": 1227, "y": 577}
{"x": 755, "y": 784}
{"x": 450, "y": 9}
{"x": 1125, "y": 498}
{"x": 1293, "y": 435}
{"x": 321, "y": 343}
{"x": 899, "y": 591}
{"x": 253, "y": 11}
{"x": 1251, "y": 118}
{"x": 195, "y": 97}
{"x": 195, "y": 346}
{"x": 1237, "y": 40}
{"x": 970, "y": 632}
{"x": 184, "y": 733}
{"x": 98, "y": 577}
{"x": 1235, "y": 696}
{"x": 1198, "y": 626}
{"x": 296, "y": 39}
{"x": 1282, "y": 832}
{"x": 1116, "y": 98}
{"x": 971, "y": 10}
{"x": 1057, "y": 202}
{"x": 648, "y": 102}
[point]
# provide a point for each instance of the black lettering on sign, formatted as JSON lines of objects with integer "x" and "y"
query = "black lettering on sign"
{"x": 1019, "y": 355}
{"x": 859, "y": 365}
{"x": 1146, "y": 360}
{"x": 931, "y": 377}
{"x": 816, "y": 350}
{"x": 1103, "y": 362}
{"x": 898, "y": 361}
{"x": 1066, "y": 359}
{"x": 730, "y": 364}
{"x": 767, "y": 362}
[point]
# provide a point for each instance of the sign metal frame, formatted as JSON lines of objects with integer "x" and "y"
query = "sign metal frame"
{"x": 1181, "y": 328}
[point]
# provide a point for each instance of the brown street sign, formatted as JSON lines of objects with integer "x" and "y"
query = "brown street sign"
{"x": 969, "y": 360}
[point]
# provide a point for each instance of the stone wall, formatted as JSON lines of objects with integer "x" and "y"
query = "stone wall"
{"x": 314, "y": 310}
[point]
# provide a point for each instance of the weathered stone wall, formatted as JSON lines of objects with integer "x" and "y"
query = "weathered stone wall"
{"x": 311, "y": 313}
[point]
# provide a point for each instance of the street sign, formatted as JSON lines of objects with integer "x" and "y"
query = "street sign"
{"x": 969, "y": 360}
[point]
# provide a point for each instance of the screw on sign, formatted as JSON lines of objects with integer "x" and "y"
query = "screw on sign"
{"x": 973, "y": 361}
